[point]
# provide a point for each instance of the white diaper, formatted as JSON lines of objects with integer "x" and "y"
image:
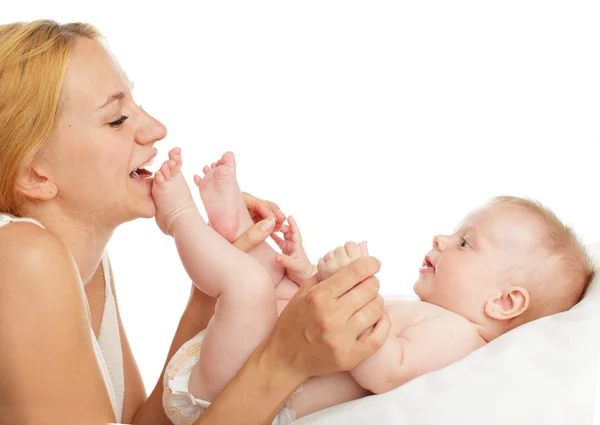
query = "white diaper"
{"x": 181, "y": 407}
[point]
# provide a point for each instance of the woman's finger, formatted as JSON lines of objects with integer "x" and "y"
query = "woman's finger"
{"x": 262, "y": 209}
{"x": 279, "y": 215}
{"x": 350, "y": 276}
{"x": 366, "y": 317}
{"x": 358, "y": 297}
{"x": 368, "y": 344}
{"x": 257, "y": 208}
{"x": 255, "y": 235}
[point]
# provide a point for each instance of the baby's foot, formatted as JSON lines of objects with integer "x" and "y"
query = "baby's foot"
{"x": 171, "y": 193}
{"x": 222, "y": 198}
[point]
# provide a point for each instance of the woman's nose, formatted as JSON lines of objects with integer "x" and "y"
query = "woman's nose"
{"x": 150, "y": 131}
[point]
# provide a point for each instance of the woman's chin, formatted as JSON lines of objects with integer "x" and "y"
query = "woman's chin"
{"x": 141, "y": 201}
{"x": 140, "y": 208}
{"x": 148, "y": 210}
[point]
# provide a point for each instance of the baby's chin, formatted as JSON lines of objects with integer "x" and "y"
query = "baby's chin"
{"x": 419, "y": 290}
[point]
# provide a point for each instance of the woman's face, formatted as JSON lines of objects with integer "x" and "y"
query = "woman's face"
{"x": 101, "y": 137}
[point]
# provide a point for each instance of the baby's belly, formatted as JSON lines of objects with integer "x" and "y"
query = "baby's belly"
{"x": 325, "y": 391}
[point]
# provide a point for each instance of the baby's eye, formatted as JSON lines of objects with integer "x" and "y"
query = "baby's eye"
{"x": 464, "y": 243}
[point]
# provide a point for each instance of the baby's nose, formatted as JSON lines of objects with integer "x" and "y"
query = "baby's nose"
{"x": 440, "y": 242}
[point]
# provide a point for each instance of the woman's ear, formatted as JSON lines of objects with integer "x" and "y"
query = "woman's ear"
{"x": 35, "y": 184}
{"x": 508, "y": 304}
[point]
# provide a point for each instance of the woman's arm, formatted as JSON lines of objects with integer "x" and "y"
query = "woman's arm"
{"x": 319, "y": 332}
{"x": 48, "y": 369}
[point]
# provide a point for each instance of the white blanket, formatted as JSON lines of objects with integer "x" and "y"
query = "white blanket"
{"x": 545, "y": 372}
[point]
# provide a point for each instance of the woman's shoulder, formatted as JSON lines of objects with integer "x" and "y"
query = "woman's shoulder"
{"x": 30, "y": 254}
{"x": 48, "y": 330}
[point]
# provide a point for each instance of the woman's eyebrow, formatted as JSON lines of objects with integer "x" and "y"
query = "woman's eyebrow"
{"x": 118, "y": 95}
{"x": 115, "y": 96}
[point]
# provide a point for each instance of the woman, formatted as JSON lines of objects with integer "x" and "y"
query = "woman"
{"x": 72, "y": 143}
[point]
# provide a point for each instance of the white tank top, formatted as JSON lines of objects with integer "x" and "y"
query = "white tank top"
{"x": 108, "y": 345}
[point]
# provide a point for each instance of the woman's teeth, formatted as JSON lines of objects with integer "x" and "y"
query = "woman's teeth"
{"x": 141, "y": 172}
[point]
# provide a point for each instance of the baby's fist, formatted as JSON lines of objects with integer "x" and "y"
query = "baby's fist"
{"x": 339, "y": 258}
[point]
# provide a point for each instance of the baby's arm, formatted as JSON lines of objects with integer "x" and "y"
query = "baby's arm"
{"x": 431, "y": 342}
{"x": 298, "y": 267}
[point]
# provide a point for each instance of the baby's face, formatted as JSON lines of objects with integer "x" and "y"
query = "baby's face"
{"x": 463, "y": 270}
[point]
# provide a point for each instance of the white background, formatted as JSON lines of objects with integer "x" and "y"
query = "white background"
{"x": 378, "y": 121}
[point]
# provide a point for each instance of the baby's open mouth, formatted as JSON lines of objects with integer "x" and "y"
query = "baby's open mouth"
{"x": 427, "y": 264}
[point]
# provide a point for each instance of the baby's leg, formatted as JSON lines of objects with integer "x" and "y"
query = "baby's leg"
{"x": 227, "y": 213}
{"x": 246, "y": 306}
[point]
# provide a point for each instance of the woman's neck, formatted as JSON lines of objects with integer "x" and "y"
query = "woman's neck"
{"x": 83, "y": 236}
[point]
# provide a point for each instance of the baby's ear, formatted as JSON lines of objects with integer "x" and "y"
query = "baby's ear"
{"x": 508, "y": 303}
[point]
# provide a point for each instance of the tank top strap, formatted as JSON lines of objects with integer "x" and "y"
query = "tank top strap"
{"x": 7, "y": 218}
{"x": 108, "y": 346}
{"x": 109, "y": 339}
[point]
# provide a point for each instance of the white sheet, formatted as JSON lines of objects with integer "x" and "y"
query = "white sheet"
{"x": 544, "y": 372}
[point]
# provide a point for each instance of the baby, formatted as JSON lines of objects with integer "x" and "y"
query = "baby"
{"x": 509, "y": 262}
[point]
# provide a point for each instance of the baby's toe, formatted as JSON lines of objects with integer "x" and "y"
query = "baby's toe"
{"x": 173, "y": 152}
{"x": 228, "y": 159}
{"x": 159, "y": 178}
{"x": 166, "y": 171}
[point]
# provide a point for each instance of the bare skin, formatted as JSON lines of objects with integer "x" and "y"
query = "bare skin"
{"x": 247, "y": 297}
{"x": 424, "y": 336}
{"x": 88, "y": 150}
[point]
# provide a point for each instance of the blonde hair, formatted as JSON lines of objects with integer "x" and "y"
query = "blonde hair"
{"x": 573, "y": 269}
{"x": 34, "y": 61}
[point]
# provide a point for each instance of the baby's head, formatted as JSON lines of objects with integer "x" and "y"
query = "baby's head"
{"x": 509, "y": 262}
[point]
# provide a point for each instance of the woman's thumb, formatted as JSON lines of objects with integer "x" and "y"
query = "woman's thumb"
{"x": 255, "y": 235}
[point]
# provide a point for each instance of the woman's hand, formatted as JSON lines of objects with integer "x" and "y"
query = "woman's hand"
{"x": 260, "y": 209}
{"x": 322, "y": 329}
{"x": 318, "y": 332}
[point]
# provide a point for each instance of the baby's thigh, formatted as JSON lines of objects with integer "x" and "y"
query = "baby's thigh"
{"x": 241, "y": 321}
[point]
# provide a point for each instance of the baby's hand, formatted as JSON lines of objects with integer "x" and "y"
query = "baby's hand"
{"x": 340, "y": 257}
{"x": 293, "y": 257}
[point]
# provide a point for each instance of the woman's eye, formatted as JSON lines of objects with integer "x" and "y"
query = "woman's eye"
{"x": 118, "y": 122}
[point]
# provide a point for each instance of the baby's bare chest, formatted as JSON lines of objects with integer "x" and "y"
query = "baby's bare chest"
{"x": 405, "y": 313}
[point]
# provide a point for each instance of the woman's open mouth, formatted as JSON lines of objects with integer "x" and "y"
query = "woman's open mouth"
{"x": 141, "y": 173}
